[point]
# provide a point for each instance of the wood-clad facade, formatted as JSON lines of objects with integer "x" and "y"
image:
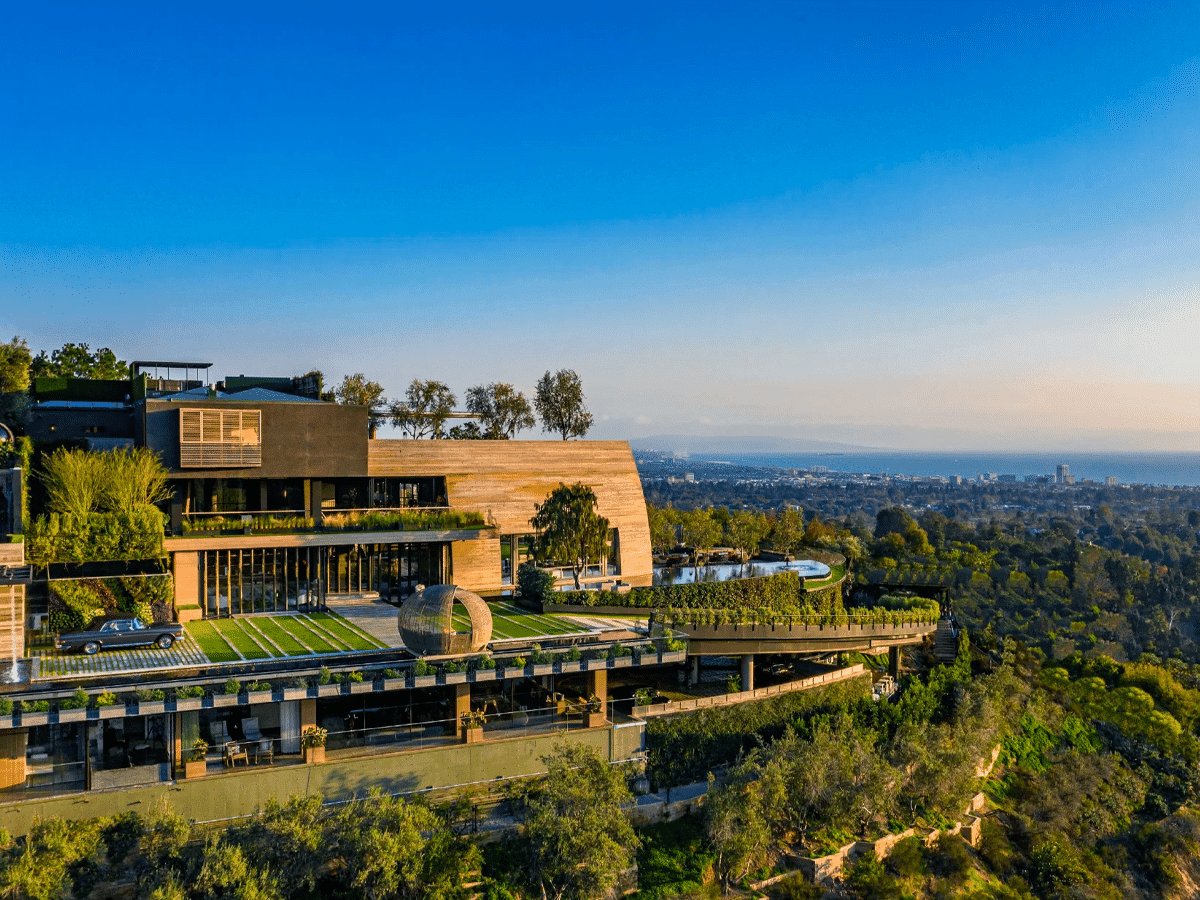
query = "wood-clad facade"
{"x": 505, "y": 480}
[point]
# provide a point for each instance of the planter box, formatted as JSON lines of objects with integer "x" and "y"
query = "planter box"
{"x": 483, "y": 675}
{"x": 472, "y": 735}
{"x": 328, "y": 690}
{"x": 314, "y": 755}
{"x": 568, "y": 666}
{"x": 197, "y": 769}
{"x": 361, "y": 687}
{"x": 34, "y": 718}
{"x": 184, "y": 704}
{"x": 621, "y": 662}
{"x": 259, "y": 697}
{"x": 149, "y": 708}
{"x": 395, "y": 684}
{"x": 112, "y": 711}
{"x": 72, "y": 715}
{"x": 674, "y": 656}
{"x": 423, "y": 681}
{"x": 455, "y": 677}
{"x": 543, "y": 669}
{"x": 295, "y": 693}
{"x": 225, "y": 699}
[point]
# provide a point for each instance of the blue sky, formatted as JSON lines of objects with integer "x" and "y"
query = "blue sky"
{"x": 911, "y": 225}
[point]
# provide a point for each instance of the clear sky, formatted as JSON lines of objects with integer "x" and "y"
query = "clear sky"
{"x": 911, "y": 225}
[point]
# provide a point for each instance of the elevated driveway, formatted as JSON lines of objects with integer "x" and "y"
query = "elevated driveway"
{"x": 799, "y": 637}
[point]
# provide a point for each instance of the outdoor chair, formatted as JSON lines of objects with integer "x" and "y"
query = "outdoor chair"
{"x": 250, "y": 729}
{"x": 235, "y": 751}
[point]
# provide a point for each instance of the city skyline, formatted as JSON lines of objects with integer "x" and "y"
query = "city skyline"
{"x": 912, "y": 226}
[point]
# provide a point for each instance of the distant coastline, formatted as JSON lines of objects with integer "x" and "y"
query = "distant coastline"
{"x": 1176, "y": 469}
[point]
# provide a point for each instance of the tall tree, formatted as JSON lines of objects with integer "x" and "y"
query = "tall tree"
{"x": 700, "y": 531}
{"x": 745, "y": 530}
{"x": 559, "y": 402}
{"x": 502, "y": 410}
{"x": 663, "y": 532}
{"x": 576, "y": 833}
{"x": 424, "y": 410}
{"x": 358, "y": 390}
{"x": 570, "y": 531}
{"x": 15, "y": 360}
{"x": 79, "y": 361}
{"x": 788, "y": 529}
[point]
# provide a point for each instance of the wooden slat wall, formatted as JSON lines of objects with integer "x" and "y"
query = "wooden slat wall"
{"x": 504, "y": 480}
{"x": 12, "y": 757}
{"x": 12, "y": 608}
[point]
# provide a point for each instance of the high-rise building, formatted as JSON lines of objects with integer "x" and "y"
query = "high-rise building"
{"x": 1063, "y": 472}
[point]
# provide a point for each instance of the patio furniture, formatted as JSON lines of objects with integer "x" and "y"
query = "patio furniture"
{"x": 220, "y": 733}
{"x": 250, "y": 729}
{"x": 264, "y": 748}
{"x": 235, "y": 751}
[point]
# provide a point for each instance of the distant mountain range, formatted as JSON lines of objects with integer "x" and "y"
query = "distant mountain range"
{"x": 691, "y": 443}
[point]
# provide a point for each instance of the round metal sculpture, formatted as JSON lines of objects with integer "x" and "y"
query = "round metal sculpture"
{"x": 426, "y": 621}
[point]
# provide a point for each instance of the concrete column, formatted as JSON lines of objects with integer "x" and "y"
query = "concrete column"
{"x": 695, "y": 679}
{"x": 597, "y": 684}
{"x": 748, "y": 672}
{"x": 894, "y": 661}
{"x": 317, "y": 491}
{"x": 308, "y": 715}
{"x": 461, "y": 705}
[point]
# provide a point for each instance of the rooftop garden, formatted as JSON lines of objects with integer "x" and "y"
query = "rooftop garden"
{"x": 357, "y": 520}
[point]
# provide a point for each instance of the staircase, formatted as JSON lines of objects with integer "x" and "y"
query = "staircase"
{"x": 945, "y": 641}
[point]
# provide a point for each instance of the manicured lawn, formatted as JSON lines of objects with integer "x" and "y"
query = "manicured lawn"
{"x": 511, "y": 621}
{"x": 214, "y": 646}
{"x": 301, "y": 629}
{"x": 345, "y": 631}
{"x": 281, "y": 638}
{"x": 232, "y": 631}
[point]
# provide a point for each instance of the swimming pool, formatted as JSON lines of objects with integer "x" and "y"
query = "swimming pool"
{"x": 805, "y": 568}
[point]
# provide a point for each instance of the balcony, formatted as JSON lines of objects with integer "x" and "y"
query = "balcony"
{"x": 294, "y": 521}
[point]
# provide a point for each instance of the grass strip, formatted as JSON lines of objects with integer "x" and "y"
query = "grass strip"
{"x": 532, "y": 620}
{"x": 282, "y": 639}
{"x": 515, "y": 629}
{"x": 355, "y": 628}
{"x": 343, "y": 630}
{"x": 215, "y": 647}
{"x": 240, "y": 640}
{"x": 326, "y": 633}
{"x": 299, "y": 629}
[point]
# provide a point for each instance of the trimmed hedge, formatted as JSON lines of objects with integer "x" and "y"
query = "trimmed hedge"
{"x": 97, "y": 536}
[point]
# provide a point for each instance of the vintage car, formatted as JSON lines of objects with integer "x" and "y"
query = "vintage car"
{"x": 116, "y": 632}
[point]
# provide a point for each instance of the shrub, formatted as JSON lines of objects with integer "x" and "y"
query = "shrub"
{"x": 258, "y": 686}
{"x": 35, "y": 706}
{"x": 148, "y": 695}
{"x": 539, "y": 656}
{"x": 392, "y": 673}
{"x": 189, "y": 691}
{"x": 233, "y": 687}
{"x": 198, "y": 749}
{"x": 324, "y": 676}
{"x": 618, "y": 651}
{"x": 313, "y": 737}
{"x": 422, "y": 668}
{"x": 484, "y": 662}
{"x": 6, "y": 706}
{"x": 534, "y": 583}
{"x": 78, "y": 700}
{"x": 455, "y": 665}
{"x": 108, "y": 698}
{"x": 517, "y": 662}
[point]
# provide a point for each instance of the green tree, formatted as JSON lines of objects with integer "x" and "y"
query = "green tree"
{"x": 576, "y": 836}
{"x": 700, "y": 531}
{"x": 663, "y": 533}
{"x": 745, "y": 530}
{"x": 502, "y": 411}
{"x": 559, "y": 402}
{"x": 79, "y": 361}
{"x": 15, "y": 360}
{"x": 734, "y": 821}
{"x": 358, "y": 390}
{"x": 787, "y": 531}
{"x": 426, "y": 407}
{"x": 570, "y": 531}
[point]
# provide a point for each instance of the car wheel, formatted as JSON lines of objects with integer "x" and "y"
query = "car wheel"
{"x": 164, "y": 642}
{"x": 91, "y": 648}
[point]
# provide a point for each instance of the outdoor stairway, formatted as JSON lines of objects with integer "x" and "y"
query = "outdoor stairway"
{"x": 945, "y": 642}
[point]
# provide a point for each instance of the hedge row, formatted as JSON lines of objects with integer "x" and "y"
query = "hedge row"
{"x": 55, "y": 538}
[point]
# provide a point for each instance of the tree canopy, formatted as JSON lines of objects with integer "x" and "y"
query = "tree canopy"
{"x": 79, "y": 361}
{"x": 15, "y": 361}
{"x": 358, "y": 390}
{"x": 424, "y": 410}
{"x": 559, "y": 402}
{"x": 570, "y": 531}
{"x": 577, "y": 836}
{"x": 502, "y": 411}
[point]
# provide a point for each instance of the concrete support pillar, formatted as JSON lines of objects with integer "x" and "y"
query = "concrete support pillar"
{"x": 748, "y": 672}
{"x": 894, "y": 661}
{"x": 308, "y": 715}
{"x": 695, "y": 679}
{"x": 316, "y": 491}
{"x": 461, "y": 705}
{"x": 597, "y": 686}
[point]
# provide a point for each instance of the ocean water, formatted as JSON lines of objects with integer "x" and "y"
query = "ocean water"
{"x": 1145, "y": 468}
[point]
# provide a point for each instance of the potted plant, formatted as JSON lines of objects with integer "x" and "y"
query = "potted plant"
{"x": 188, "y": 696}
{"x": 35, "y": 712}
{"x": 593, "y": 712}
{"x": 194, "y": 765}
{"x": 258, "y": 692}
{"x": 473, "y": 722}
{"x": 327, "y": 685}
{"x": 424, "y": 675}
{"x": 296, "y": 690}
{"x": 229, "y": 693}
{"x": 393, "y": 680}
{"x": 312, "y": 741}
{"x": 455, "y": 672}
{"x": 73, "y": 708}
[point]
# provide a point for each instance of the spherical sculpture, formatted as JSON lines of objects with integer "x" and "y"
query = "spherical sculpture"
{"x": 426, "y": 621}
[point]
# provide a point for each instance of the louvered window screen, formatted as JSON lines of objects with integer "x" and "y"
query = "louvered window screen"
{"x": 220, "y": 438}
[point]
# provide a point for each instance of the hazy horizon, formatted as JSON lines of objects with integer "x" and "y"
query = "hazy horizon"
{"x": 909, "y": 226}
